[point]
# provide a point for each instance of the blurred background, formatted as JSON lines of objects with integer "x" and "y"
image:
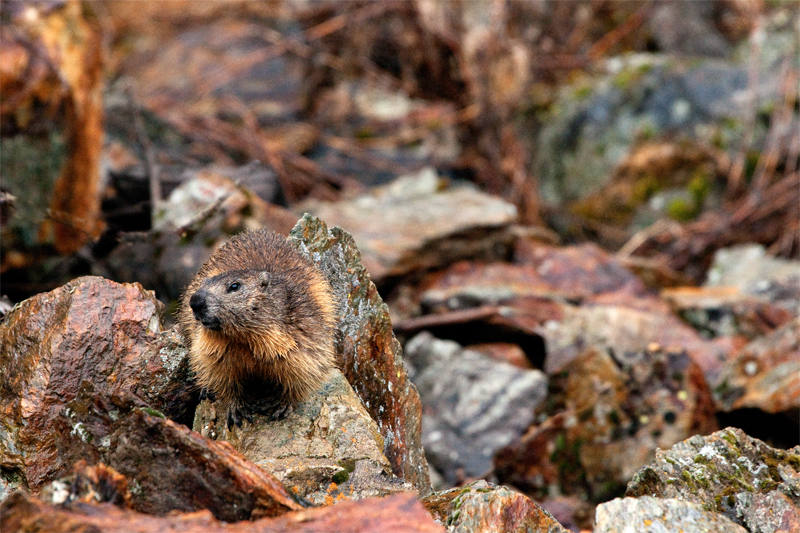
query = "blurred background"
{"x": 557, "y": 184}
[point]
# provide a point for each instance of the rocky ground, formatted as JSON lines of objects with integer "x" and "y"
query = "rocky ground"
{"x": 564, "y": 245}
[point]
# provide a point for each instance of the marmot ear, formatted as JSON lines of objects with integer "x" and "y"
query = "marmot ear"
{"x": 264, "y": 279}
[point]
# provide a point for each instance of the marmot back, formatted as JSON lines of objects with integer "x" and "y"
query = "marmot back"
{"x": 258, "y": 320}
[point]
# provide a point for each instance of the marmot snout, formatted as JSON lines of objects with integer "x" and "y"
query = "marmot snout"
{"x": 258, "y": 320}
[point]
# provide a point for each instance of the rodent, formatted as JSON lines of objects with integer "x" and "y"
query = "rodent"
{"x": 258, "y": 319}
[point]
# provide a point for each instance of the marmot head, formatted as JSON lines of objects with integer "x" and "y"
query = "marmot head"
{"x": 241, "y": 301}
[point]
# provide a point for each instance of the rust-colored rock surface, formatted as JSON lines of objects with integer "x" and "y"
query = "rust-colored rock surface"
{"x": 169, "y": 467}
{"x": 609, "y": 414}
{"x": 765, "y": 373}
{"x": 91, "y": 329}
{"x": 369, "y": 354}
{"x": 401, "y": 513}
{"x": 481, "y": 507}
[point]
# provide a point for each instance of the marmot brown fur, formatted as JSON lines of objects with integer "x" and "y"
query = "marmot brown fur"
{"x": 258, "y": 319}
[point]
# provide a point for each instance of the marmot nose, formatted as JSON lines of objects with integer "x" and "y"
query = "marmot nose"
{"x": 198, "y": 304}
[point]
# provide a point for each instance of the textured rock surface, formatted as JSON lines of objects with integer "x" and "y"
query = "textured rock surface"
{"x": 753, "y": 272}
{"x": 727, "y": 472}
{"x": 369, "y": 354}
{"x": 481, "y": 507}
{"x": 473, "y": 405}
{"x": 653, "y": 515}
{"x": 423, "y": 225}
{"x": 609, "y": 412}
{"x": 626, "y": 329}
{"x": 401, "y": 513}
{"x": 168, "y": 467}
{"x": 726, "y": 311}
{"x": 328, "y": 449}
{"x": 91, "y": 330}
{"x": 764, "y": 374}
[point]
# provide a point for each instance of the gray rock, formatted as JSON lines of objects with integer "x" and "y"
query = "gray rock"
{"x": 474, "y": 405}
{"x": 370, "y": 356}
{"x": 726, "y": 472}
{"x": 328, "y": 448}
{"x": 753, "y": 272}
{"x": 423, "y": 224}
{"x": 596, "y": 122}
{"x": 653, "y": 515}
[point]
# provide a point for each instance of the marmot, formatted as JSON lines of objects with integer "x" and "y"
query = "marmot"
{"x": 258, "y": 320}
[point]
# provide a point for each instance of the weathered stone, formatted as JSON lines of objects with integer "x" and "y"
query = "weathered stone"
{"x": 579, "y": 274}
{"x": 754, "y": 273}
{"x": 481, "y": 507}
{"x": 473, "y": 405}
{"x": 88, "y": 330}
{"x": 328, "y": 449}
{"x": 89, "y": 484}
{"x": 168, "y": 466}
{"x": 211, "y": 194}
{"x": 727, "y": 472}
{"x": 770, "y": 512}
{"x": 370, "y": 356}
{"x": 765, "y": 374}
{"x": 401, "y": 513}
{"x": 653, "y": 515}
{"x": 609, "y": 412}
{"x": 624, "y": 329}
{"x": 725, "y": 311}
{"x": 423, "y": 225}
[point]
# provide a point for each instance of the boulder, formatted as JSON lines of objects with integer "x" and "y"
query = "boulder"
{"x": 369, "y": 354}
{"x": 90, "y": 330}
{"x": 727, "y": 472}
{"x": 328, "y": 449}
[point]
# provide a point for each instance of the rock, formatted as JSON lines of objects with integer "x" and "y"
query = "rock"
{"x": 211, "y": 197}
{"x": 686, "y": 106}
{"x": 369, "y": 354}
{"x": 91, "y": 330}
{"x": 765, "y": 374}
{"x": 424, "y": 224}
{"x": 609, "y": 412}
{"x": 328, "y": 449}
{"x": 654, "y": 515}
{"x": 688, "y": 29}
{"x": 725, "y": 311}
{"x": 89, "y": 484}
{"x": 481, "y": 507}
{"x": 754, "y": 273}
{"x": 626, "y": 330}
{"x": 168, "y": 467}
{"x": 727, "y": 472}
{"x": 473, "y": 405}
{"x": 773, "y": 511}
{"x": 401, "y": 513}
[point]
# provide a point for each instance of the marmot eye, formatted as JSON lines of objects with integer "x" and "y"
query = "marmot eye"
{"x": 233, "y": 286}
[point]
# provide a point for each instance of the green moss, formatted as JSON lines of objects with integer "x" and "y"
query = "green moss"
{"x": 731, "y": 438}
{"x": 699, "y": 186}
{"x": 348, "y": 464}
{"x": 152, "y": 412}
{"x": 644, "y": 188}
{"x": 681, "y": 209}
{"x": 340, "y": 477}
